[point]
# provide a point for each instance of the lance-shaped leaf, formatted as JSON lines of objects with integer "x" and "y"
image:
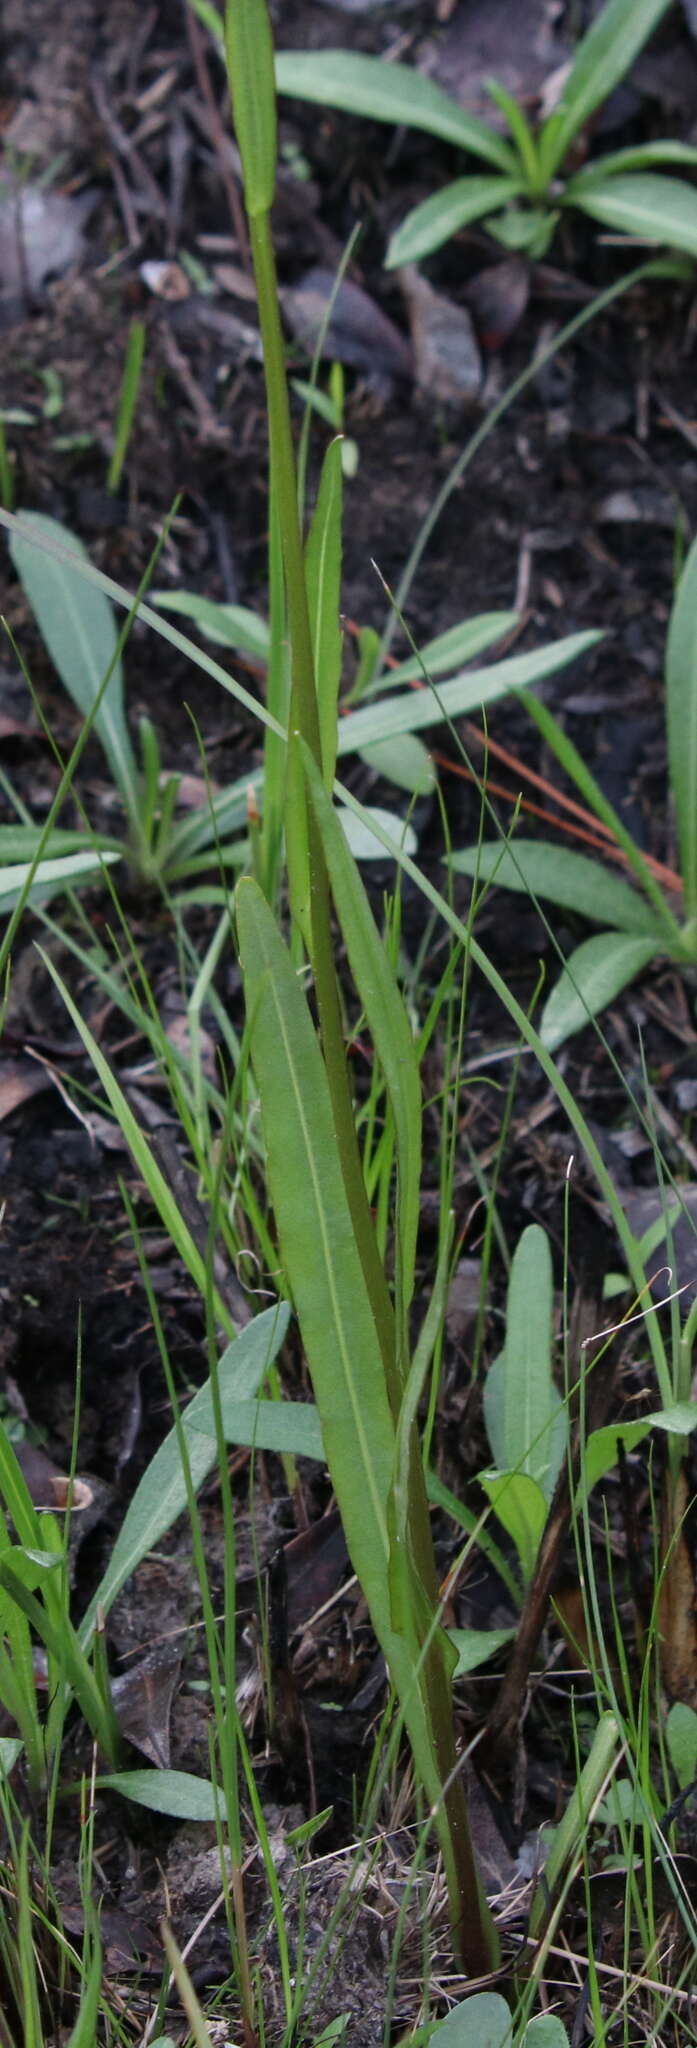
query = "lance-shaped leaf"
{"x": 444, "y": 213}
{"x": 325, "y": 1274}
{"x": 561, "y": 876}
{"x": 77, "y": 627}
{"x": 387, "y": 1020}
{"x": 366, "y": 85}
{"x": 249, "y": 54}
{"x": 594, "y": 974}
{"x": 524, "y": 1414}
{"x": 654, "y": 208}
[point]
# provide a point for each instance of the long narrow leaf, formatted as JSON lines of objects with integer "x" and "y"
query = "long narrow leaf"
{"x": 412, "y": 711}
{"x": 323, "y": 578}
{"x": 49, "y": 877}
{"x": 653, "y": 208}
{"x": 604, "y": 56}
{"x": 160, "y": 1496}
{"x": 368, "y": 86}
{"x": 387, "y": 1021}
{"x": 561, "y": 876}
{"x": 681, "y": 722}
{"x": 77, "y": 626}
{"x": 444, "y": 213}
{"x": 321, "y": 1259}
{"x": 449, "y": 650}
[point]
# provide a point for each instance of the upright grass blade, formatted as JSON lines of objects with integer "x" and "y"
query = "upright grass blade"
{"x": 681, "y": 723}
{"x": 323, "y": 577}
{"x": 325, "y": 1272}
{"x": 389, "y": 1027}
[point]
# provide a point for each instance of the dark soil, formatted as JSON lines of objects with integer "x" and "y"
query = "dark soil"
{"x": 573, "y": 508}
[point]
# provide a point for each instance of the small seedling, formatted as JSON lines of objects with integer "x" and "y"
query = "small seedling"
{"x": 525, "y": 187}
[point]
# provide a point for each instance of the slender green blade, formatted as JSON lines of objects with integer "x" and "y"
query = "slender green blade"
{"x": 645, "y": 156}
{"x": 561, "y": 876}
{"x": 49, "y": 877}
{"x": 595, "y": 973}
{"x": 160, "y": 1496}
{"x": 681, "y": 722}
{"x": 387, "y": 1020}
{"x": 444, "y": 213}
{"x": 653, "y": 208}
{"x": 325, "y": 1274}
{"x": 367, "y": 86}
{"x": 450, "y": 649}
{"x": 413, "y": 710}
{"x": 323, "y": 579}
{"x": 603, "y": 58}
{"x": 77, "y": 626}
{"x": 317, "y": 1243}
{"x": 249, "y": 55}
{"x": 158, "y": 1187}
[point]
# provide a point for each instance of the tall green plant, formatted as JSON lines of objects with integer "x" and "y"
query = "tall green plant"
{"x": 355, "y": 1343}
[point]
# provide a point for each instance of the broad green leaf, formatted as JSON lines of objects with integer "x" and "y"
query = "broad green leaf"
{"x": 404, "y": 761}
{"x": 545, "y": 2031}
{"x": 77, "y": 626}
{"x": 681, "y": 722}
{"x": 323, "y": 580}
{"x": 476, "y": 1645}
{"x": 387, "y": 1020}
{"x": 364, "y": 844}
{"x": 229, "y": 625}
{"x": 250, "y": 69}
{"x": 521, "y": 1508}
{"x": 413, "y": 710}
{"x": 160, "y": 1496}
{"x": 654, "y": 209}
{"x": 445, "y": 212}
{"x": 368, "y": 87}
{"x": 603, "y": 57}
{"x": 460, "y": 643}
{"x": 681, "y": 1739}
{"x": 524, "y": 1415}
{"x": 530, "y": 228}
{"x": 178, "y": 1793}
{"x": 601, "y": 1449}
{"x": 560, "y": 876}
{"x": 49, "y": 877}
{"x": 482, "y": 2021}
{"x": 594, "y": 974}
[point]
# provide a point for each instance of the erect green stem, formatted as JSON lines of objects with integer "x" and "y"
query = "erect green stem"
{"x": 304, "y": 720}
